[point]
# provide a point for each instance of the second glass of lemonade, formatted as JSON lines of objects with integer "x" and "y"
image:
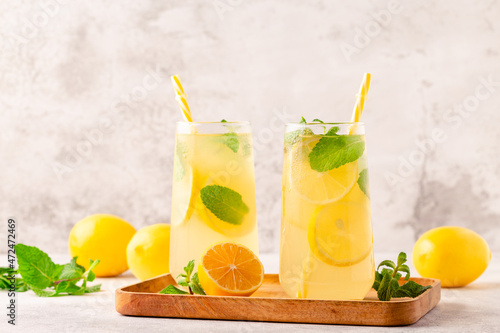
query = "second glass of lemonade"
{"x": 213, "y": 196}
{"x": 326, "y": 233}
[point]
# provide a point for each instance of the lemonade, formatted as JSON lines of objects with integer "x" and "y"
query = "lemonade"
{"x": 213, "y": 198}
{"x": 326, "y": 234}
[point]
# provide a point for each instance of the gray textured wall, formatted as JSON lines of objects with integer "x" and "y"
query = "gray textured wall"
{"x": 88, "y": 111}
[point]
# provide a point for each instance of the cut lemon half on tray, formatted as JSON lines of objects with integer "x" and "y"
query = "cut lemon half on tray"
{"x": 340, "y": 234}
{"x": 319, "y": 187}
{"x": 230, "y": 269}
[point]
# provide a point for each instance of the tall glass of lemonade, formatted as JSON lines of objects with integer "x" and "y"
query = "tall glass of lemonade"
{"x": 213, "y": 197}
{"x": 326, "y": 233}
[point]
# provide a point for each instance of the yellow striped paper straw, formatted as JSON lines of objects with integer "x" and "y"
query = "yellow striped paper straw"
{"x": 180, "y": 96}
{"x": 360, "y": 100}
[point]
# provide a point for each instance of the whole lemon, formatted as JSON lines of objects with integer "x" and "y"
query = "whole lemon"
{"x": 455, "y": 255}
{"x": 103, "y": 237}
{"x": 148, "y": 251}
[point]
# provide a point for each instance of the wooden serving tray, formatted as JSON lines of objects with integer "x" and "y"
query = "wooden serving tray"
{"x": 270, "y": 303}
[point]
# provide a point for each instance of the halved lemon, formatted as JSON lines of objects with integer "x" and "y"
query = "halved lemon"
{"x": 230, "y": 269}
{"x": 340, "y": 234}
{"x": 318, "y": 187}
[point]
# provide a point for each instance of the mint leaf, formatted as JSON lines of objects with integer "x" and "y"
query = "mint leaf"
{"x": 71, "y": 270}
{"x": 406, "y": 269}
{"x": 182, "y": 282}
{"x": 384, "y": 291}
{"x": 189, "y": 268}
{"x": 363, "y": 182}
{"x": 8, "y": 276}
{"x": 43, "y": 293}
{"x": 378, "y": 279}
{"x": 173, "y": 290}
{"x": 65, "y": 287}
{"x": 388, "y": 263}
{"x": 93, "y": 289}
{"x": 401, "y": 258}
{"x": 293, "y": 137}
{"x": 92, "y": 265}
{"x": 36, "y": 267}
{"x": 387, "y": 282}
{"x": 224, "y": 203}
{"x": 333, "y": 151}
{"x": 231, "y": 141}
{"x": 7, "y": 270}
{"x": 410, "y": 289}
{"x": 80, "y": 290}
{"x": 318, "y": 121}
{"x": 195, "y": 285}
{"x": 186, "y": 280}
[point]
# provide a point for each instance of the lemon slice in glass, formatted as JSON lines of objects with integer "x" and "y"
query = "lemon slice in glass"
{"x": 184, "y": 198}
{"x": 319, "y": 188}
{"x": 340, "y": 234}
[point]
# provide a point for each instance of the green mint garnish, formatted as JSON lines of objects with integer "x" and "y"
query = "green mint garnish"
{"x": 316, "y": 120}
{"x": 333, "y": 150}
{"x": 224, "y": 203}
{"x": 387, "y": 281}
{"x": 293, "y": 137}
{"x": 363, "y": 182}
{"x": 186, "y": 280}
{"x": 6, "y": 273}
{"x": 231, "y": 141}
{"x": 170, "y": 289}
{"x": 40, "y": 274}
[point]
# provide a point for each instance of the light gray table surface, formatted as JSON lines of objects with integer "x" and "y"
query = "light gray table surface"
{"x": 475, "y": 308}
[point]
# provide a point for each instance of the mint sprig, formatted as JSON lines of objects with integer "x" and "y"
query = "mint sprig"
{"x": 186, "y": 280}
{"x": 224, "y": 203}
{"x": 387, "y": 281}
{"x": 7, "y": 276}
{"x": 231, "y": 139}
{"x": 293, "y": 137}
{"x": 333, "y": 150}
{"x": 40, "y": 274}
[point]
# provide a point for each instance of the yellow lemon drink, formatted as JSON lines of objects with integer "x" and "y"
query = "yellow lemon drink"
{"x": 326, "y": 247}
{"x": 213, "y": 198}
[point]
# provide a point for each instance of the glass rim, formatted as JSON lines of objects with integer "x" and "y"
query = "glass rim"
{"x": 213, "y": 127}
{"x": 323, "y": 124}
{"x": 242, "y": 122}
